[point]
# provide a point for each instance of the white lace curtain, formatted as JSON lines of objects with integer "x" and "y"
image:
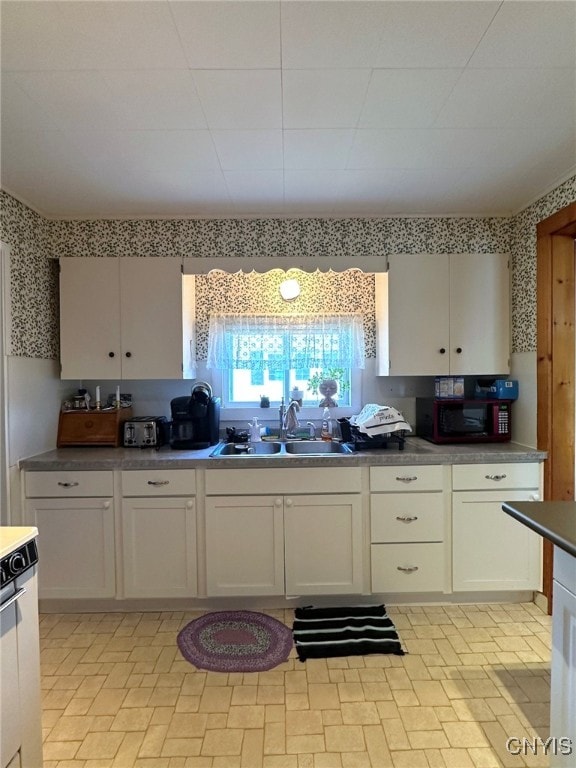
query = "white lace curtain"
{"x": 284, "y": 342}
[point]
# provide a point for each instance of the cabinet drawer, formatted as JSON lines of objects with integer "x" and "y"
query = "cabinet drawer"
{"x": 162, "y": 482}
{"x": 407, "y": 567}
{"x": 283, "y": 481}
{"x": 406, "y": 478}
{"x": 397, "y": 517}
{"x": 63, "y": 484}
{"x": 481, "y": 477}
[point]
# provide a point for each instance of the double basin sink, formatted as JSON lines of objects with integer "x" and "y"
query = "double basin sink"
{"x": 282, "y": 449}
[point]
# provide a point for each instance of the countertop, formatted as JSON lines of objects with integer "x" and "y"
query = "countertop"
{"x": 12, "y": 537}
{"x": 555, "y": 520}
{"x": 416, "y": 451}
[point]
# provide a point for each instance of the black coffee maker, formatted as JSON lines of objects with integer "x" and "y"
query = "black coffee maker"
{"x": 195, "y": 419}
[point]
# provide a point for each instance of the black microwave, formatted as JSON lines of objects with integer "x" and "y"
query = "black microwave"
{"x": 463, "y": 421}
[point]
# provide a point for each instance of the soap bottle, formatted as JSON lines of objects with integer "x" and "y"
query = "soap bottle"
{"x": 326, "y": 431}
{"x": 255, "y": 431}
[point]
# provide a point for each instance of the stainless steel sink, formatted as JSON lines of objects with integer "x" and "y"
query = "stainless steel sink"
{"x": 316, "y": 448}
{"x": 246, "y": 449}
{"x": 271, "y": 449}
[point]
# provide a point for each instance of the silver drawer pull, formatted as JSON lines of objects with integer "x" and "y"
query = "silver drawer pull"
{"x": 407, "y": 568}
{"x": 495, "y": 477}
{"x": 406, "y": 519}
{"x": 12, "y": 598}
{"x": 407, "y": 478}
{"x": 158, "y": 482}
{"x": 68, "y": 485}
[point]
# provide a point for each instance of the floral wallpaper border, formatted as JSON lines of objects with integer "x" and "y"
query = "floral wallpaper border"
{"x": 37, "y": 242}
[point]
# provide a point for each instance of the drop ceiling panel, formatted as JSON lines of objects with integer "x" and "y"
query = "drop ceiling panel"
{"x": 407, "y": 98}
{"x": 441, "y": 34}
{"x": 229, "y": 35}
{"x": 240, "y": 99}
{"x": 323, "y": 98}
{"x": 529, "y": 34}
{"x": 317, "y": 149}
{"x": 253, "y": 191}
{"x": 248, "y": 150}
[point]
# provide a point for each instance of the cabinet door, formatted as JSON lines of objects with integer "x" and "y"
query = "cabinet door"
{"x": 151, "y": 318}
{"x": 479, "y": 313}
{"x": 563, "y": 679}
{"x": 159, "y": 547}
{"x": 418, "y": 289}
{"x": 75, "y": 547}
{"x": 323, "y": 544}
{"x": 90, "y": 318}
{"x": 244, "y": 545}
{"x": 491, "y": 550}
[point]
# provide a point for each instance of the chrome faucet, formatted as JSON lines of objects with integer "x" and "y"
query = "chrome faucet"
{"x": 312, "y": 427}
{"x": 281, "y": 414}
{"x": 290, "y": 422}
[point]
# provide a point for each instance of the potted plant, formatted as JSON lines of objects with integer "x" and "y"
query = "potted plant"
{"x": 327, "y": 382}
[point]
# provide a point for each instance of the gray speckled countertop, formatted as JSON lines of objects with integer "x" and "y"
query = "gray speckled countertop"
{"x": 417, "y": 451}
{"x": 555, "y": 520}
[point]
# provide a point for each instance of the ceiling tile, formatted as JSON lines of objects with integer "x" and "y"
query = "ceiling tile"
{"x": 323, "y": 149}
{"x": 322, "y": 98}
{"x": 89, "y": 35}
{"x": 229, "y": 35}
{"x": 530, "y": 34}
{"x": 406, "y": 98}
{"x": 310, "y": 193}
{"x": 248, "y": 150}
{"x": 432, "y": 34}
{"x": 506, "y": 98}
{"x": 256, "y": 191}
{"x": 391, "y": 148}
{"x": 158, "y": 99}
{"x": 240, "y": 99}
{"x": 330, "y": 34}
{"x": 367, "y": 193}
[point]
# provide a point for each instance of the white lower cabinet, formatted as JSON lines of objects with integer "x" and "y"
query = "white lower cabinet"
{"x": 159, "y": 556}
{"x": 75, "y": 546}
{"x": 244, "y": 545}
{"x": 490, "y": 550}
{"x": 563, "y": 667}
{"x": 323, "y": 544}
{"x": 284, "y": 543}
{"x": 408, "y": 523}
{"x": 74, "y": 514}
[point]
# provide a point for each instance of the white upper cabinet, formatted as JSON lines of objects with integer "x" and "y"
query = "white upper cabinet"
{"x": 449, "y": 314}
{"x": 122, "y": 318}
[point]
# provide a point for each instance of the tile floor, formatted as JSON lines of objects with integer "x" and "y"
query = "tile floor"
{"x": 118, "y": 694}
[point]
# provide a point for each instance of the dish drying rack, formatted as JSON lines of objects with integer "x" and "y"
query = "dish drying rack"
{"x": 359, "y": 441}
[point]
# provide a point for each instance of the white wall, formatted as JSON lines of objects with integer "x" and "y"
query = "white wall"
{"x": 34, "y": 394}
{"x": 524, "y": 410}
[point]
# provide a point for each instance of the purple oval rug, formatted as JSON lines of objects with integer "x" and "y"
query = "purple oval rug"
{"x": 235, "y": 641}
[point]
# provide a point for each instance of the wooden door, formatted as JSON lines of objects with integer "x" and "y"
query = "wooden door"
{"x": 556, "y": 338}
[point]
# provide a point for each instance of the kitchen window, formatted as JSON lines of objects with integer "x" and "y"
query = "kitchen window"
{"x": 269, "y": 355}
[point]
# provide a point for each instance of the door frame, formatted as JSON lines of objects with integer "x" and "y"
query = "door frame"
{"x": 5, "y": 324}
{"x": 555, "y": 367}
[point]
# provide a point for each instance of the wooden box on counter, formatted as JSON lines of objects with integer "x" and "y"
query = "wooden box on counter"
{"x": 92, "y": 427}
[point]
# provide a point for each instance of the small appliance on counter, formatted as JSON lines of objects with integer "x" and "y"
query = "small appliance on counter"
{"x": 195, "y": 419}
{"x": 146, "y": 432}
{"x": 463, "y": 421}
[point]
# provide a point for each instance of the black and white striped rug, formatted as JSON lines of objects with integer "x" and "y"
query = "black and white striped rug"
{"x": 354, "y": 631}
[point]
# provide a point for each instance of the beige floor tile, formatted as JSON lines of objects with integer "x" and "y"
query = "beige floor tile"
{"x": 117, "y": 694}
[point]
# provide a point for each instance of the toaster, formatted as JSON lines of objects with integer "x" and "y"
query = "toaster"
{"x": 145, "y": 432}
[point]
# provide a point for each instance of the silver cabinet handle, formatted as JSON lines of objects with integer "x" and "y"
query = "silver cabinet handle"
{"x": 407, "y": 478}
{"x": 12, "y": 598}
{"x": 497, "y": 478}
{"x": 406, "y": 519}
{"x": 158, "y": 482}
{"x": 407, "y": 568}
{"x": 67, "y": 485}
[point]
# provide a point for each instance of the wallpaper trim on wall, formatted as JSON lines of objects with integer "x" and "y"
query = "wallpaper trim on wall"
{"x": 36, "y": 242}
